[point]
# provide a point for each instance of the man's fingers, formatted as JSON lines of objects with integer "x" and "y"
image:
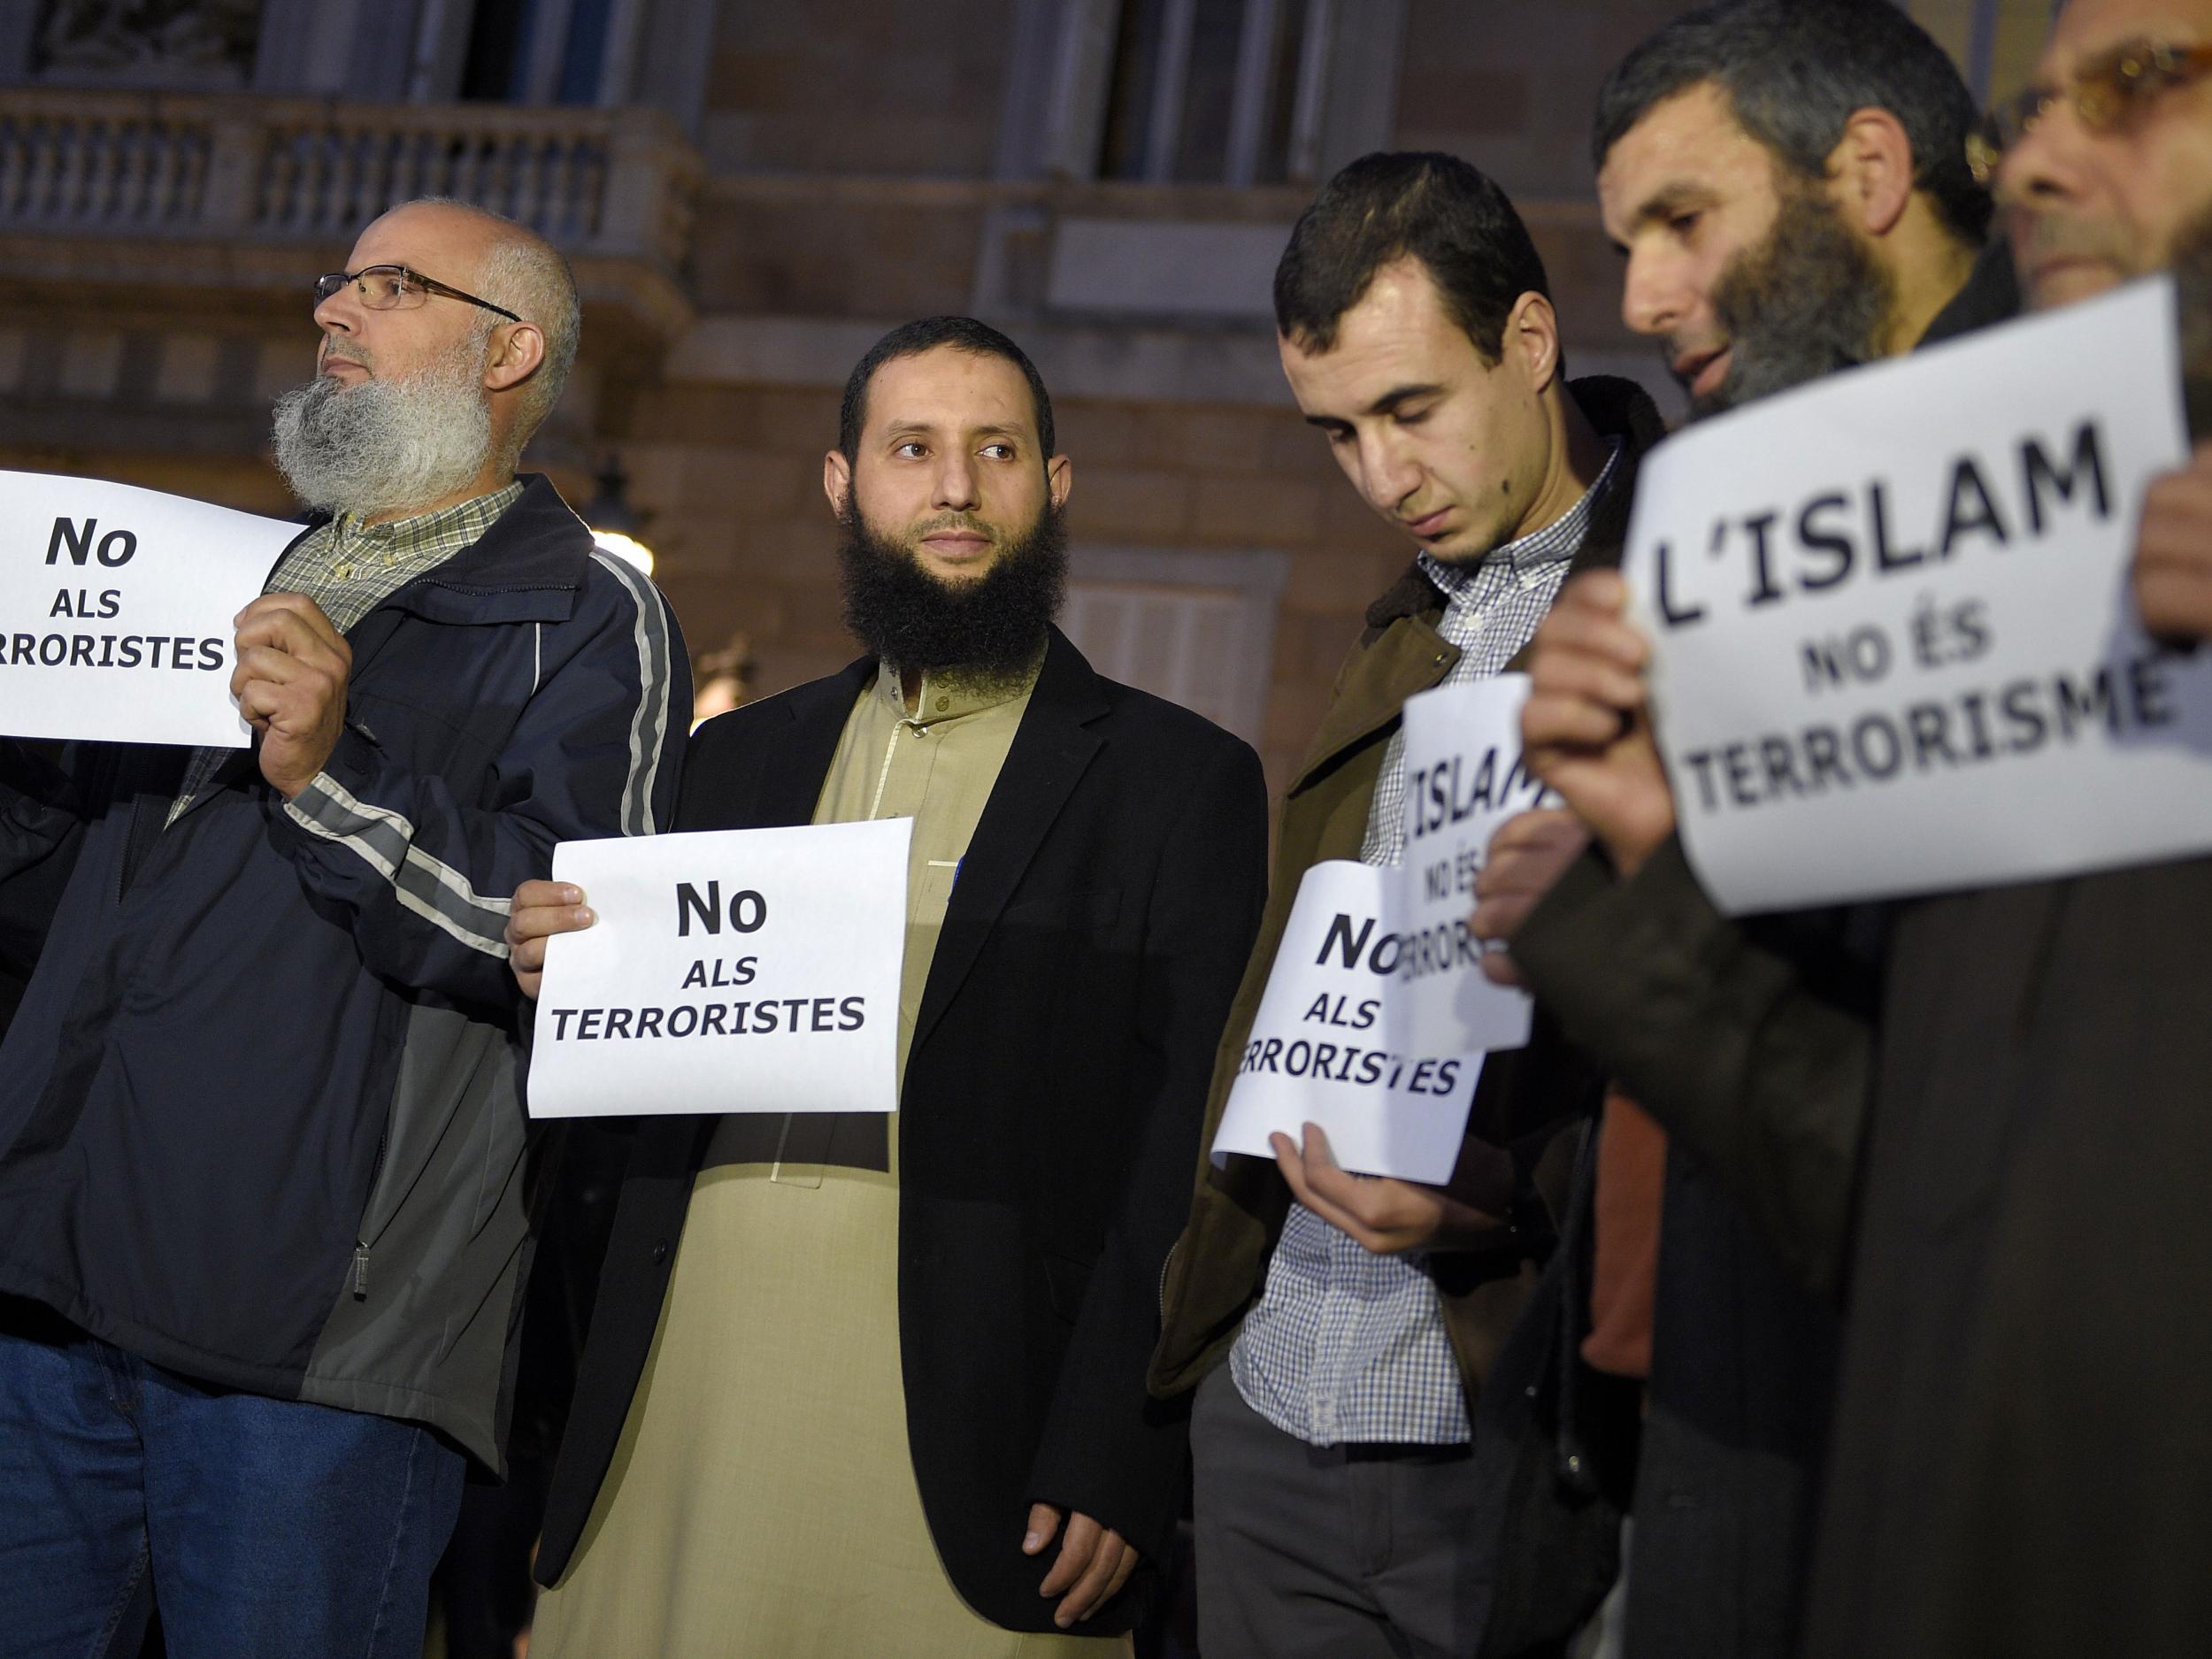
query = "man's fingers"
{"x": 302, "y": 610}
{"x": 1091, "y": 1589}
{"x": 1076, "y": 1546}
{"x": 260, "y": 701}
{"x": 1598, "y": 592}
{"x": 1292, "y": 1162}
{"x": 269, "y": 665}
{"x": 286, "y": 631}
{"x": 1044, "y": 1521}
{"x": 1539, "y": 826}
{"x": 532, "y": 894}
{"x": 1586, "y": 675}
{"x": 1498, "y": 967}
{"x": 541, "y": 921}
{"x": 1550, "y": 721}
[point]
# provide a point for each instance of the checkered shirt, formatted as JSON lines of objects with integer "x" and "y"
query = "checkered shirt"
{"x": 348, "y": 568}
{"x": 1343, "y": 1346}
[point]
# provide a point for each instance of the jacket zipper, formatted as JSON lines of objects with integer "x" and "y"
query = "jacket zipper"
{"x": 361, "y": 1246}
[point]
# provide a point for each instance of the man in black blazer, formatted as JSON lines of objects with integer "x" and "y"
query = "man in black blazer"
{"x": 858, "y": 1387}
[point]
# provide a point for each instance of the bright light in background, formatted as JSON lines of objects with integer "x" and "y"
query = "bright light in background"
{"x": 615, "y": 524}
{"x": 627, "y": 548}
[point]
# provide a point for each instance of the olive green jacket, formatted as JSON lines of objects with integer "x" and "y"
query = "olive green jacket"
{"x": 1515, "y": 1159}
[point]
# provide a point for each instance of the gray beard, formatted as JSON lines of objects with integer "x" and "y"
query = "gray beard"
{"x": 387, "y": 446}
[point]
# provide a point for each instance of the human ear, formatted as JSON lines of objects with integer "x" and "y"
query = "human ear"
{"x": 1532, "y": 338}
{"x": 516, "y": 358}
{"x": 1870, "y": 170}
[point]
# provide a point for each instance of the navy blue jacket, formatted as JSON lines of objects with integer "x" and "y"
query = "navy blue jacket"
{"x": 260, "y": 1119}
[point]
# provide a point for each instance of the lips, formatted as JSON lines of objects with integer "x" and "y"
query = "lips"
{"x": 955, "y": 544}
{"x": 1703, "y": 372}
{"x": 1428, "y": 527}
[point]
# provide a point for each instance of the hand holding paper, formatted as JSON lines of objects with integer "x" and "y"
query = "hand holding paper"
{"x": 1586, "y": 726}
{"x": 118, "y": 612}
{"x": 290, "y": 683}
{"x": 724, "y": 971}
{"x": 1383, "y": 1216}
{"x": 541, "y": 909}
{"x": 1897, "y": 618}
{"x": 2173, "y": 553}
{"x": 1527, "y": 855}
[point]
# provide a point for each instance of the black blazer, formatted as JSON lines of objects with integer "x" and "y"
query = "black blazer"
{"x": 1047, "y": 1128}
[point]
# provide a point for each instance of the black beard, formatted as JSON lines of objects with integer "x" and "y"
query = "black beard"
{"x": 987, "y": 633}
{"x": 1806, "y": 302}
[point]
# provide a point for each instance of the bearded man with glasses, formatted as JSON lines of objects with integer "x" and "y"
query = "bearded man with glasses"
{"x": 2001, "y": 1173}
{"x": 263, "y": 1221}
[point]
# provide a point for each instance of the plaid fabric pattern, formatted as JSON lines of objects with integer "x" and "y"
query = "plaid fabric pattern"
{"x": 1344, "y": 1345}
{"x": 348, "y": 568}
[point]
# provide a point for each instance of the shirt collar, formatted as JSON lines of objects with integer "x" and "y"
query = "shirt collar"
{"x": 1518, "y": 560}
{"x": 947, "y": 694}
{"x": 424, "y": 529}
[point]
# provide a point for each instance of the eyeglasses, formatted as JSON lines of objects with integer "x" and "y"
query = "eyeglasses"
{"x": 2105, "y": 91}
{"x": 391, "y": 287}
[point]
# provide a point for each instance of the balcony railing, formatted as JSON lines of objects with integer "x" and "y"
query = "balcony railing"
{"x": 108, "y": 164}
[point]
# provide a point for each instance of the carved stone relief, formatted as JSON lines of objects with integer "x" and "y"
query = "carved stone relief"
{"x": 148, "y": 43}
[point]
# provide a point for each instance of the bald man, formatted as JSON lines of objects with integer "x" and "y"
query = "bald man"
{"x": 2002, "y": 1176}
{"x": 262, "y": 1160}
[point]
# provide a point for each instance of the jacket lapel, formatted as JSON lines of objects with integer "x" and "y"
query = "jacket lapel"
{"x": 792, "y": 771}
{"x": 1051, "y": 750}
{"x": 1410, "y": 657}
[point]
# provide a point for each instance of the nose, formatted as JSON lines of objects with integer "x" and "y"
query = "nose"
{"x": 1387, "y": 472}
{"x": 1653, "y": 293}
{"x": 2045, "y": 161}
{"x": 341, "y": 313}
{"x": 956, "y": 490}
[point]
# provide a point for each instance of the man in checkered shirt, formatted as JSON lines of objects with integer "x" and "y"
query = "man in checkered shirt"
{"x": 1335, "y": 1489}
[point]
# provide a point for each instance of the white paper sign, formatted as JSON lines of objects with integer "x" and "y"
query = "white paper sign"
{"x": 729, "y": 971}
{"x": 1328, "y": 1046}
{"x": 115, "y": 610}
{"x": 1895, "y": 649}
{"x": 1463, "y": 778}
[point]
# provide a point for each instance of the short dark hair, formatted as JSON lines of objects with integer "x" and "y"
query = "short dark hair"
{"x": 1396, "y": 204}
{"x": 926, "y": 333}
{"x": 1793, "y": 71}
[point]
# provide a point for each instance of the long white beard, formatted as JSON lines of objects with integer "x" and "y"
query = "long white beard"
{"x": 386, "y": 446}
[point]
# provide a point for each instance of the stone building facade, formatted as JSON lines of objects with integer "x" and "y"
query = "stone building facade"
{"x": 751, "y": 193}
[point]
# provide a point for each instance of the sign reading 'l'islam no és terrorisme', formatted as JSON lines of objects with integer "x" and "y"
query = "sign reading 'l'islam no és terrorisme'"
{"x": 1894, "y": 645}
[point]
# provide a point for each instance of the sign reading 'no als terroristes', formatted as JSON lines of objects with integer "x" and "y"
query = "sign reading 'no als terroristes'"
{"x": 116, "y": 608}
{"x": 729, "y": 971}
{"x": 1895, "y": 647}
{"x": 1377, "y": 1015}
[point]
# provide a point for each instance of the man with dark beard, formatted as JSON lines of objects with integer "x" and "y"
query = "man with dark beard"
{"x": 263, "y": 1220}
{"x": 1788, "y": 183}
{"x": 2003, "y": 1169}
{"x": 866, "y": 1386}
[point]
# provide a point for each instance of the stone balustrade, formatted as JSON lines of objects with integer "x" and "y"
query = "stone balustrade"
{"x": 616, "y": 183}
